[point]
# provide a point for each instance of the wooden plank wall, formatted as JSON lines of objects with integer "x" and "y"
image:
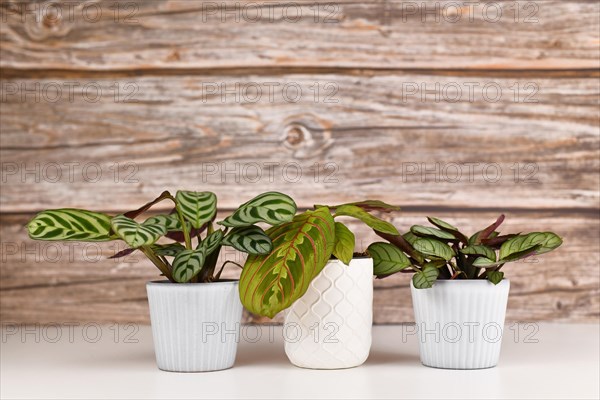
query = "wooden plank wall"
{"x": 460, "y": 112}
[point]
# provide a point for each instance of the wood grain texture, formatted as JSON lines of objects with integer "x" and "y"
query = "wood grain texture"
{"x": 147, "y": 35}
{"x": 50, "y": 282}
{"x": 377, "y": 138}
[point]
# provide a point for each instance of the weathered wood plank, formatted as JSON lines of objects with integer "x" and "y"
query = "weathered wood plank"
{"x": 375, "y": 139}
{"x": 142, "y": 35}
{"x": 39, "y": 283}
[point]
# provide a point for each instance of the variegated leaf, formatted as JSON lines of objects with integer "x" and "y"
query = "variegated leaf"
{"x": 425, "y": 231}
{"x": 187, "y": 264}
{"x": 134, "y": 234}
{"x": 197, "y": 207}
{"x": 211, "y": 242}
{"x": 479, "y": 250}
{"x": 433, "y": 248}
{"x": 168, "y": 250}
{"x": 249, "y": 239}
{"x": 272, "y": 208}
{"x": 70, "y": 224}
{"x": 425, "y": 278}
{"x": 301, "y": 248}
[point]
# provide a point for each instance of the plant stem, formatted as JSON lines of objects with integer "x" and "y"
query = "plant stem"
{"x": 148, "y": 252}
{"x": 186, "y": 233}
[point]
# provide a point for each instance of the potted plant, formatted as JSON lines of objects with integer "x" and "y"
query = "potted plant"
{"x": 195, "y": 315}
{"x": 459, "y": 293}
{"x": 328, "y": 288}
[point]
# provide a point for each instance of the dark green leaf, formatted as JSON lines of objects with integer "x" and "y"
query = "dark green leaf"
{"x": 495, "y": 277}
{"x": 197, "y": 208}
{"x": 434, "y": 248}
{"x": 387, "y": 259}
{"x": 425, "y": 231}
{"x": 479, "y": 250}
{"x": 426, "y": 278}
{"x": 211, "y": 242}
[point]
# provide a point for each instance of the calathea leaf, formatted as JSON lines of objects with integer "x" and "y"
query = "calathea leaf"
{"x": 410, "y": 237}
{"x": 545, "y": 242}
{"x": 187, "y": 264}
{"x": 433, "y": 248}
{"x": 134, "y": 234}
{"x": 474, "y": 239}
{"x": 495, "y": 276}
{"x": 301, "y": 248}
{"x": 479, "y": 250}
{"x": 484, "y": 262}
{"x": 425, "y": 231}
{"x": 367, "y": 205}
{"x": 70, "y": 224}
{"x": 403, "y": 244}
{"x": 387, "y": 259}
{"x": 372, "y": 221}
{"x": 249, "y": 239}
{"x": 425, "y": 278}
{"x": 446, "y": 227}
{"x": 343, "y": 249}
{"x": 197, "y": 207}
{"x": 170, "y": 221}
{"x": 487, "y": 232}
{"x": 273, "y": 208}
{"x": 497, "y": 241}
{"x": 168, "y": 250}
{"x": 211, "y": 242}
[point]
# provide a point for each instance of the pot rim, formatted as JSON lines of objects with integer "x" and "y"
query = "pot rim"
{"x": 169, "y": 283}
{"x": 466, "y": 281}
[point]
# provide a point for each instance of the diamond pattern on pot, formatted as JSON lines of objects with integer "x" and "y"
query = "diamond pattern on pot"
{"x": 330, "y": 326}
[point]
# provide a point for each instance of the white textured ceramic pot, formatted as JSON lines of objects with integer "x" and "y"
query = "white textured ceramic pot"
{"x": 460, "y": 323}
{"x": 195, "y": 326}
{"x": 330, "y": 326}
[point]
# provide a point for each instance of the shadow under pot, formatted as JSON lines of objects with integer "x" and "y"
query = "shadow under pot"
{"x": 330, "y": 326}
{"x": 460, "y": 323}
{"x": 195, "y": 326}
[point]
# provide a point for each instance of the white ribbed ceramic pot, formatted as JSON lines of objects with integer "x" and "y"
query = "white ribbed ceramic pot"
{"x": 195, "y": 326}
{"x": 460, "y": 323}
{"x": 330, "y": 326}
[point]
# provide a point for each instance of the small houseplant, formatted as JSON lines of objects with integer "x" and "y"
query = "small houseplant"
{"x": 328, "y": 324}
{"x": 193, "y": 312}
{"x": 459, "y": 292}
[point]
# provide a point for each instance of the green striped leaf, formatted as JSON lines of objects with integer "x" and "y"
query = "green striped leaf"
{"x": 169, "y": 221}
{"x": 249, "y": 239}
{"x": 187, "y": 264}
{"x": 197, "y": 207}
{"x": 484, "y": 262}
{"x": 301, "y": 248}
{"x": 273, "y": 208}
{"x": 443, "y": 225}
{"x": 70, "y": 224}
{"x": 372, "y": 221}
{"x": 168, "y": 250}
{"x": 134, "y": 234}
{"x": 410, "y": 238}
{"x": 425, "y": 278}
{"x": 433, "y": 248}
{"x": 343, "y": 248}
{"x": 387, "y": 259}
{"x": 479, "y": 250}
{"x": 211, "y": 242}
{"x": 425, "y": 231}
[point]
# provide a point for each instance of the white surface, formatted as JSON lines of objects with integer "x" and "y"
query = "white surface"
{"x": 183, "y": 339}
{"x": 337, "y": 309}
{"x": 460, "y": 322}
{"x": 563, "y": 364}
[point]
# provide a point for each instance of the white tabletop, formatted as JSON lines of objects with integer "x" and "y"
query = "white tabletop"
{"x": 564, "y": 363}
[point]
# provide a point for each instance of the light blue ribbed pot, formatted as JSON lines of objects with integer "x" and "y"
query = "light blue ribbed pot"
{"x": 460, "y": 323}
{"x": 195, "y": 326}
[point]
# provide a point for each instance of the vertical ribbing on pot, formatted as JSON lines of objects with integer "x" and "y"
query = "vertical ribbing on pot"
{"x": 460, "y": 323}
{"x": 195, "y": 327}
